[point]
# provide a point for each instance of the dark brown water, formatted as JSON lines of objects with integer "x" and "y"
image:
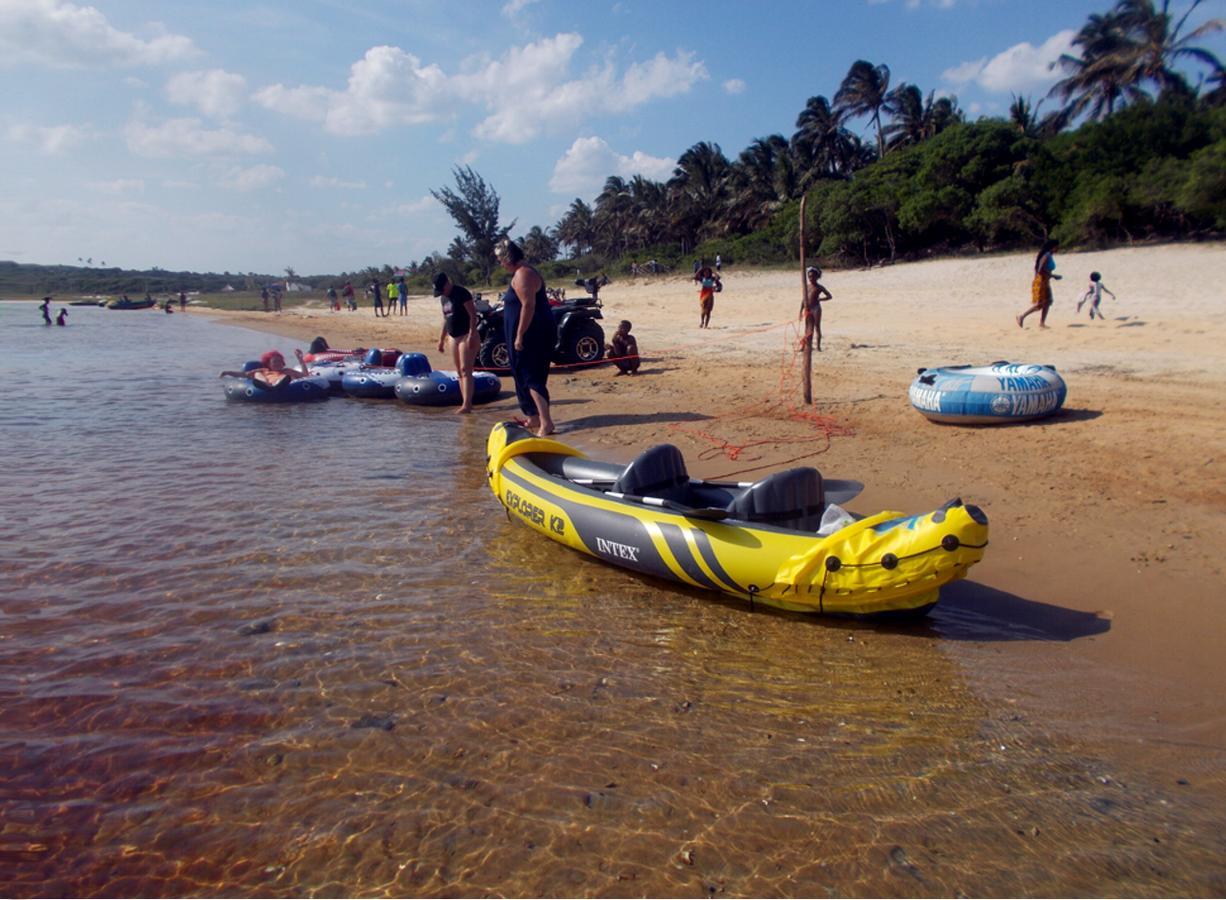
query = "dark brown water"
{"x": 301, "y": 652}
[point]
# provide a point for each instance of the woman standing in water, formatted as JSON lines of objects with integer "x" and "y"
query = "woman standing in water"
{"x": 530, "y": 334}
{"x": 459, "y": 324}
{"x": 1040, "y": 288}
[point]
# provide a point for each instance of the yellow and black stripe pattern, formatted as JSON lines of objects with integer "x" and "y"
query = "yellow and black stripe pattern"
{"x": 887, "y": 562}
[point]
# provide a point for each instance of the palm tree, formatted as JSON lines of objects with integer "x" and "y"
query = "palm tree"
{"x": 1216, "y": 97}
{"x": 939, "y": 114}
{"x": 1023, "y": 116}
{"x": 1096, "y": 79}
{"x": 905, "y": 106}
{"x": 863, "y": 92}
{"x": 821, "y": 145}
{"x": 613, "y": 212}
{"x": 697, "y": 190}
{"x": 1154, "y": 47}
{"x": 539, "y": 245}
{"x": 761, "y": 180}
{"x": 648, "y": 222}
{"x": 577, "y": 228}
{"x": 915, "y": 118}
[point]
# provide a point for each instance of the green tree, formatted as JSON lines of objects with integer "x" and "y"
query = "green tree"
{"x": 1096, "y": 78}
{"x": 1203, "y": 195}
{"x": 821, "y": 144}
{"x": 473, "y": 206}
{"x": 539, "y": 245}
{"x": 697, "y": 191}
{"x": 1153, "y": 46}
{"x": 762, "y": 179}
{"x": 863, "y": 92}
{"x": 577, "y": 228}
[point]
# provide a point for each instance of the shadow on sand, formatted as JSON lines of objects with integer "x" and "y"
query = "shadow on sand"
{"x": 967, "y": 611}
{"x": 974, "y": 612}
{"x": 607, "y": 421}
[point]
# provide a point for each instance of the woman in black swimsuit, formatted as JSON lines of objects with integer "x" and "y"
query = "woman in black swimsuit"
{"x": 530, "y": 334}
{"x": 459, "y": 324}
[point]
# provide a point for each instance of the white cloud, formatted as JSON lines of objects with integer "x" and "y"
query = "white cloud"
{"x": 119, "y": 186}
{"x": 534, "y": 77}
{"x": 389, "y": 87}
{"x": 420, "y": 205}
{"x": 734, "y": 86}
{"x": 251, "y": 178}
{"x": 51, "y": 139}
{"x": 62, "y": 35}
{"x": 583, "y": 168}
{"x": 215, "y": 93}
{"x": 514, "y": 6}
{"x": 327, "y": 181}
{"x": 1021, "y": 67}
{"x": 189, "y": 137}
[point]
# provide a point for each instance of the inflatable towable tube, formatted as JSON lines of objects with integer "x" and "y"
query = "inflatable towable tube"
{"x": 377, "y": 377}
{"x": 299, "y": 390}
{"x": 421, "y": 386}
{"x": 988, "y": 395}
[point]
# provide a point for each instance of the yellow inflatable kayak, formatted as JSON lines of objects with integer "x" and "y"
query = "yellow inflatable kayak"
{"x": 782, "y": 541}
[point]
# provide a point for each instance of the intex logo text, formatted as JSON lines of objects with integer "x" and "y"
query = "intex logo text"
{"x": 624, "y": 551}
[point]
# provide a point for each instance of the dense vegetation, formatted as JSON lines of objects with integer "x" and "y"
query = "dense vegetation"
{"x": 1134, "y": 152}
{"x": 1145, "y": 160}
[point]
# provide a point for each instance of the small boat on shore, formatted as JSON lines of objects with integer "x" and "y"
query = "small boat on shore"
{"x": 995, "y": 394}
{"x": 783, "y": 541}
{"x": 126, "y": 303}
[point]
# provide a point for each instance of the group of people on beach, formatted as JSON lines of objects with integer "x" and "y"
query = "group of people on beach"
{"x": 1041, "y": 292}
{"x": 397, "y": 297}
{"x": 530, "y": 330}
{"x": 273, "y": 294}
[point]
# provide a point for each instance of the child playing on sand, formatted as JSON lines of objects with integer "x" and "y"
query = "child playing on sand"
{"x": 1094, "y": 293}
{"x": 624, "y": 350}
{"x": 706, "y": 293}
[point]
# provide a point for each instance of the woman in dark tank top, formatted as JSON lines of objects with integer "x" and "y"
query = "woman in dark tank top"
{"x": 530, "y": 334}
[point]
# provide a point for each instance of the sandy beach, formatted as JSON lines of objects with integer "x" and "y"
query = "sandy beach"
{"x": 1100, "y": 596}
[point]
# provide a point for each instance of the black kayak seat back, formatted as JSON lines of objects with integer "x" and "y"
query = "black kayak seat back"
{"x": 656, "y": 472}
{"x": 789, "y": 499}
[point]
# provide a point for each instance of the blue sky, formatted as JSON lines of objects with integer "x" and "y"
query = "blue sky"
{"x": 240, "y": 137}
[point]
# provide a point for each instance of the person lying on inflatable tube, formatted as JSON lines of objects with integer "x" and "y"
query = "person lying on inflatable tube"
{"x": 272, "y": 372}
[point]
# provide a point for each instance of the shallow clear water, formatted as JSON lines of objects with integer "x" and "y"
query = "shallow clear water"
{"x": 301, "y": 651}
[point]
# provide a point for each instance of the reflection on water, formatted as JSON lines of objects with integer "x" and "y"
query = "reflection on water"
{"x": 301, "y": 651}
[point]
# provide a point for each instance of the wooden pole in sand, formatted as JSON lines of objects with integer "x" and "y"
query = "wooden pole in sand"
{"x": 806, "y": 369}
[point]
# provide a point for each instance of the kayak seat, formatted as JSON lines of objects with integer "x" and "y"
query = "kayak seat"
{"x": 790, "y": 499}
{"x": 656, "y": 472}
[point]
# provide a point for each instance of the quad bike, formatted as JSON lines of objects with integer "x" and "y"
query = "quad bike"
{"x": 580, "y": 338}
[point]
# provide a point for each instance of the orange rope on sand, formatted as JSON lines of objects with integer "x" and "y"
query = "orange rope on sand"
{"x": 782, "y": 407}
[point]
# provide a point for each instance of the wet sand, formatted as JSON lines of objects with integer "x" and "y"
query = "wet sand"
{"x": 1096, "y": 612}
